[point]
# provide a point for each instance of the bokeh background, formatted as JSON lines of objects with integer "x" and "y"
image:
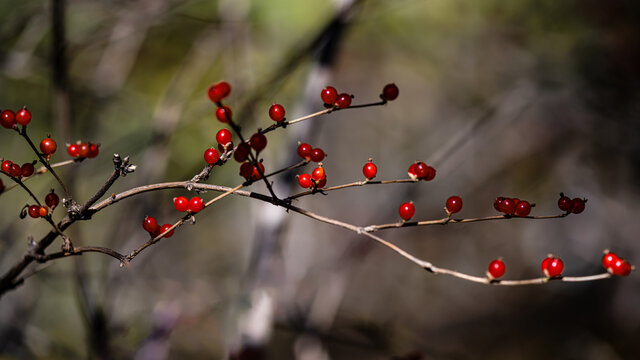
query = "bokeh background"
{"x": 504, "y": 98}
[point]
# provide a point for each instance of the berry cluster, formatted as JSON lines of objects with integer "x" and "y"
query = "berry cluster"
{"x": 421, "y": 171}
{"x": 183, "y": 204}
{"x": 36, "y": 211}
{"x": 251, "y": 172}
{"x": 82, "y": 150}
{"x": 616, "y": 265}
{"x": 9, "y": 119}
{"x": 154, "y": 229}
{"x": 512, "y": 206}
{"x": 17, "y": 171}
{"x": 317, "y": 179}
{"x": 575, "y": 205}
{"x": 331, "y": 98}
{"x": 309, "y": 153}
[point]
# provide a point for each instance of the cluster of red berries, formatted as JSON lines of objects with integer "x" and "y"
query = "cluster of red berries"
{"x": 154, "y": 229}
{"x": 616, "y": 265}
{"x": 331, "y": 98}
{"x": 453, "y": 205}
{"x": 512, "y": 206}
{"x": 83, "y": 150}
{"x": 9, "y": 119}
{"x": 421, "y": 171}
{"x": 17, "y": 171}
{"x": 183, "y": 204}
{"x": 575, "y": 205}
{"x": 309, "y": 153}
{"x": 51, "y": 200}
{"x": 219, "y": 91}
{"x": 317, "y": 179}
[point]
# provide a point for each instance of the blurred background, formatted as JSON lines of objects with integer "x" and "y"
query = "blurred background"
{"x": 504, "y": 98}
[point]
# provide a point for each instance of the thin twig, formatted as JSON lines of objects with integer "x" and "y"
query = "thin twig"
{"x": 353, "y": 184}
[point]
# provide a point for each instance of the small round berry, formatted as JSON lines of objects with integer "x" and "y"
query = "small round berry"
{"x": 369, "y": 170}
{"x": 6, "y": 166}
{"x": 304, "y": 151}
{"x": 224, "y": 137}
{"x": 94, "y": 150}
{"x": 48, "y": 146}
{"x": 343, "y": 101}
{"x": 7, "y": 119}
{"x": 406, "y": 211}
{"x": 181, "y": 203}
{"x": 454, "y": 204}
{"x": 577, "y": 205}
{"x": 83, "y": 150}
{"x": 246, "y": 170}
{"x": 223, "y": 114}
{"x": 258, "y": 142}
{"x": 496, "y": 269}
{"x": 52, "y": 200}
{"x": 431, "y": 174}
{"x": 317, "y": 155}
{"x": 498, "y": 203}
{"x": 43, "y": 211}
{"x": 412, "y": 172}
{"x": 420, "y": 169}
{"x": 241, "y": 153}
{"x": 255, "y": 173}
{"x": 27, "y": 169}
{"x": 608, "y": 259}
{"x": 219, "y": 91}
{"x": 211, "y": 156}
{"x": 164, "y": 228}
{"x": 508, "y": 206}
{"x": 23, "y": 116}
{"x": 318, "y": 173}
{"x": 196, "y": 204}
{"x": 552, "y": 266}
{"x": 276, "y": 112}
{"x": 523, "y": 208}
{"x": 390, "y": 92}
{"x": 564, "y": 203}
{"x": 34, "y": 211}
{"x": 151, "y": 225}
{"x": 73, "y": 150}
{"x": 329, "y": 95}
{"x": 304, "y": 180}
{"x": 621, "y": 267}
{"x": 320, "y": 184}
{"x": 16, "y": 170}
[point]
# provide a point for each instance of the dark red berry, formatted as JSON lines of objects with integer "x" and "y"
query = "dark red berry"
{"x": 276, "y": 112}
{"x": 219, "y": 91}
{"x": 496, "y": 269}
{"x": 304, "y": 151}
{"x": 196, "y": 204}
{"x": 6, "y": 166}
{"x": 343, "y": 101}
{"x": 73, "y": 150}
{"x": 304, "y": 180}
{"x": 224, "y": 137}
{"x": 523, "y": 208}
{"x": 16, "y": 170}
{"x": 94, "y": 150}
{"x": 320, "y": 184}
{"x": 329, "y": 95}
{"x": 431, "y": 174}
{"x": 420, "y": 169}
{"x": 34, "y": 211}
{"x": 181, "y": 203}
{"x": 242, "y": 152}
{"x": 454, "y": 204}
{"x": 552, "y": 266}
{"x": 225, "y": 147}
{"x": 246, "y": 170}
{"x": 166, "y": 227}
{"x": 151, "y": 225}
{"x": 211, "y": 156}
{"x": 412, "y": 172}
{"x": 52, "y": 200}
{"x": 390, "y": 92}
{"x": 223, "y": 114}
{"x": 28, "y": 169}
{"x": 621, "y": 267}
{"x": 406, "y": 211}
{"x": 577, "y": 205}
{"x": 317, "y": 155}
{"x": 498, "y": 204}
{"x": 508, "y": 206}
{"x": 255, "y": 173}
{"x": 318, "y": 173}
{"x": 608, "y": 260}
{"x": 48, "y": 146}
{"x": 369, "y": 170}
{"x": 7, "y": 119}
{"x": 23, "y": 116}
{"x": 258, "y": 142}
{"x": 564, "y": 203}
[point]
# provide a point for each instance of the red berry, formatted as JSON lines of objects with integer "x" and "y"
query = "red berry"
{"x": 406, "y": 211}
{"x": 219, "y": 91}
{"x": 420, "y": 169}
{"x": 246, "y": 170}
{"x": 258, "y": 142}
{"x": 621, "y": 267}
{"x": 552, "y": 266}
{"x": 318, "y": 174}
{"x": 304, "y": 151}
{"x": 412, "y": 172}
{"x": 48, "y": 146}
{"x": 609, "y": 259}
{"x": 454, "y": 205}
{"x": 196, "y": 204}
{"x": 508, "y": 206}
{"x": 16, "y": 170}
{"x": 181, "y": 203}
{"x": 34, "y": 211}
{"x": 329, "y": 95}
{"x": 43, "y": 211}
{"x": 94, "y": 150}
{"x": 276, "y": 112}
{"x": 320, "y": 184}
{"x": 23, "y": 116}
{"x": 164, "y": 228}
{"x": 223, "y": 114}
{"x": 304, "y": 180}
{"x": 255, "y": 174}
{"x": 73, "y": 150}
{"x": 224, "y": 137}
{"x": 369, "y": 170}
{"x": 7, "y": 119}
{"x": 523, "y": 208}
{"x": 83, "y": 150}
{"x": 431, "y": 173}
{"x": 28, "y": 169}
{"x": 242, "y": 152}
{"x": 564, "y": 203}
{"x": 390, "y": 92}
{"x": 577, "y": 205}
{"x": 151, "y": 225}
{"x": 496, "y": 269}
{"x": 52, "y": 200}
{"x": 343, "y": 101}
{"x": 211, "y": 156}
{"x": 317, "y": 155}
{"x": 6, "y": 166}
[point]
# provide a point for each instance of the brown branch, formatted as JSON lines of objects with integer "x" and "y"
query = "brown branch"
{"x": 353, "y": 184}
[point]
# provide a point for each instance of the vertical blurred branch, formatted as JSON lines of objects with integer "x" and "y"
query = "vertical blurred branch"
{"x": 61, "y": 103}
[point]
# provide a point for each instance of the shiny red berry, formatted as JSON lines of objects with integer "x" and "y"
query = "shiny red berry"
{"x": 73, "y": 150}
{"x": 151, "y": 225}
{"x": 43, "y": 211}
{"x": 7, "y": 119}
{"x": 276, "y": 112}
{"x": 431, "y": 174}
{"x": 181, "y": 203}
{"x": 83, "y": 150}
{"x": 577, "y": 205}
{"x": 166, "y": 227}
{"x": 552, "y": 266}
{"x": 454, "y": 204}
{"x": 608, "y": 260}
{"x": 34, "y": 211}
{"x": 255, "y": 173}
{"x": 304, "y": 180}
{"x": 343, "y": 101}
{"x": 523, "y": 208}
{"x": 258, "y": 142}
{"x": 94, "y": 150}
{"x": 6, "y": 166}
{"x": 23, "y": 116}
{"x": 211, "y": 156}
{"x": 508, "y": 206}
{"x": 48, "y": 146}
{"x": 420, "y": 169}
{"x": 318, "y": 174}
{"x": 304, "y": 151}
{"x": 16, "y": 170}
{"x": 329, "y": 95}
{"x": 223, "y": 114}
{"x": 406, "y": 211}
{"x": 219, "y": 91}
{"x": 369, "y": 170}
{"x": 52, "y": 200}
{"x": 496, "y": 269}
{"x": 196, "y": 204}
{"x": 224, "y": 137}
{"x": 27, "y": 169}
{"x": 564, "y": 203}
{"x": 621, "y": 267}
{"x": 317, "y": 155}
{"x": 390, "y": 92}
